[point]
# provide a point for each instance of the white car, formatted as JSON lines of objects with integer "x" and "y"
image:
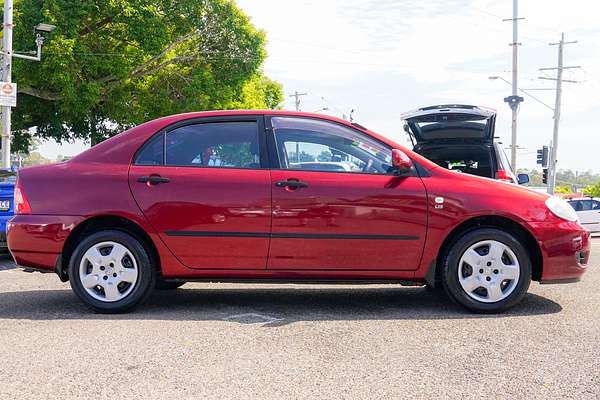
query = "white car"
{"x": 588, "y": 210}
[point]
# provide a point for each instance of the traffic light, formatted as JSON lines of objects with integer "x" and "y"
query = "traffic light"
{"x": 545, "y": 176}
{"x": 542, "y": 156}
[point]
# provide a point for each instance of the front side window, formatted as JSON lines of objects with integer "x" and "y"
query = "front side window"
{"x": 215, "y": 145}
{"x": 316, "y": 145}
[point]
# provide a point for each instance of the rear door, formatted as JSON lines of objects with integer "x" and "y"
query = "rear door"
{"x": 204, "y": 187}
{"x": 359, "y": 218}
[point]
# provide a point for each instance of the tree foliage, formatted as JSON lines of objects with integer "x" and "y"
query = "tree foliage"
{"x": 592, "y": 190}
{"x": 111, "y": 64}
{"x": 565, "y": 177}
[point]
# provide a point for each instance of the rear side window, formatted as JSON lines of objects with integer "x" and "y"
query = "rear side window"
{"x": 213, "y": 145}
{"x": 222, "y": 144}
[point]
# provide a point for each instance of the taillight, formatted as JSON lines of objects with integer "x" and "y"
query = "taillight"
{"x": 504, "y": 176}
{"x": 21, "y": 204}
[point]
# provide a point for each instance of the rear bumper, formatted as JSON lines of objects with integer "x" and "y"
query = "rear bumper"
{"x": 565, "y": 251}
{"x": 36, "y": 241}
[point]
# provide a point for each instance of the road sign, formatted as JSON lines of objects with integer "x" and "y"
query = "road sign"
{"x": 8, "y": 94}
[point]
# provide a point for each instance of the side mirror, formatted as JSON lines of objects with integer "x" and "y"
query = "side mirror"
{"x": 522, "y": 179}
{"x": 401, "y": 162}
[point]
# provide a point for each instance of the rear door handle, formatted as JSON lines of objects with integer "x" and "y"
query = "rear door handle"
{"x": 153, "y": 179}
{"x": 292, "y": 184}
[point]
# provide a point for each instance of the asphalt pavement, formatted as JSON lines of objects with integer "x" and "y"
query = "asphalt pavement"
{"x": 231, "y": 341}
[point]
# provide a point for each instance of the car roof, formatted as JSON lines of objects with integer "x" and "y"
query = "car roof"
{"x": 121, "y": 148}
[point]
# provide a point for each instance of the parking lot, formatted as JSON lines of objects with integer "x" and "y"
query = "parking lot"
{"x": 297, "y": 341}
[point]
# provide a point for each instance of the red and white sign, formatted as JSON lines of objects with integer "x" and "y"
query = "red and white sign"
{"x": 8, "y": 94}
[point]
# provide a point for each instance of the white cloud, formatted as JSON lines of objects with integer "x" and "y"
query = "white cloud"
{"x": 385, "y": 56}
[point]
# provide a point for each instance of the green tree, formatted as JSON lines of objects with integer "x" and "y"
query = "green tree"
{"x": 324, "y": 156}
{"x": 112, "y": 64}
{"x": 562, "y": 189}
{"x": 592, "y": 190}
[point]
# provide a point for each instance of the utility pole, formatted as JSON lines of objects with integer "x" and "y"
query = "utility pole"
{"x": 297, "y": 96}
{"x": 8, "y": 55}
{"x": 557, "y": 104}
{"x": 514, "y": 99}
{"x": 6, "y": 77}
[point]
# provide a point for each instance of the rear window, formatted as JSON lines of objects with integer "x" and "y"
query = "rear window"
{"x": 451, "y": 127}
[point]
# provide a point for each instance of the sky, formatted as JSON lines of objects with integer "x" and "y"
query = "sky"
{"x": 381, "y": 58}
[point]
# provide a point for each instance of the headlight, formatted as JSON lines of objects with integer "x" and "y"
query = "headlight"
{"x": 561, "y": 209}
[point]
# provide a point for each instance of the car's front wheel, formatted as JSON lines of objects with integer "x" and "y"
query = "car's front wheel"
{"x": 111, "y": 271}
{"x": 487, "y": 270}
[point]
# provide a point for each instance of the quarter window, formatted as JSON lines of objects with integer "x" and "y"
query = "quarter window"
{"x": 153, "y": 152}
{"x": 316, "y": 145}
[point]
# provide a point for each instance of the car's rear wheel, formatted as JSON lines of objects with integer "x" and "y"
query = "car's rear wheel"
{"x": 487, "y": 270}
{"x": 111, "y": 271}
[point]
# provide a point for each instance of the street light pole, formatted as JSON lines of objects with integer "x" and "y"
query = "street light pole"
{"x": 8, "y": 55}
{"x": 6, "y": 77}
{"x": 513, "y": 143}
{"x": 514, "y": 99}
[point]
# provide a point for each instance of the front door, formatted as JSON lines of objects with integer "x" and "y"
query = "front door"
{"x": 202, "y": 187}
{"x": 335, "y": 204}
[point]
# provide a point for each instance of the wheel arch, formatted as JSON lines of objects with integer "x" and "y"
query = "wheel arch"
{"x": 98, "y": 223}
{"x": 489, "y": 221}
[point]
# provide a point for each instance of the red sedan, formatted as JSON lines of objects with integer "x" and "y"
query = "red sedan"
{"x": 283, "y": 197}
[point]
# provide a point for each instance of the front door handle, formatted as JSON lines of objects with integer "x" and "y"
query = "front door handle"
{"x": 292, "y": 184}
{"x": 153, "y": 179}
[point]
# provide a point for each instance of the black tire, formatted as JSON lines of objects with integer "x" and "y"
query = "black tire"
{"x": 167, "y": 285}
{"x": 145, "y": 280}
{"x": 449, "y": 273}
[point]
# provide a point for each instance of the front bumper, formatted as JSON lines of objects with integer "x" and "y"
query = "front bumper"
{"x": 36, "y": 241}
{"x": 565, "y": 250}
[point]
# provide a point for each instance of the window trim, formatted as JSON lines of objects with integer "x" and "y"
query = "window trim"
{"x": 257, "y": 119}
{"x": 275, "y": 162}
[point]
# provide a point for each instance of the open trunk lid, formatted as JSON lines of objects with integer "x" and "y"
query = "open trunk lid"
{"x": 450, "y": 122}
